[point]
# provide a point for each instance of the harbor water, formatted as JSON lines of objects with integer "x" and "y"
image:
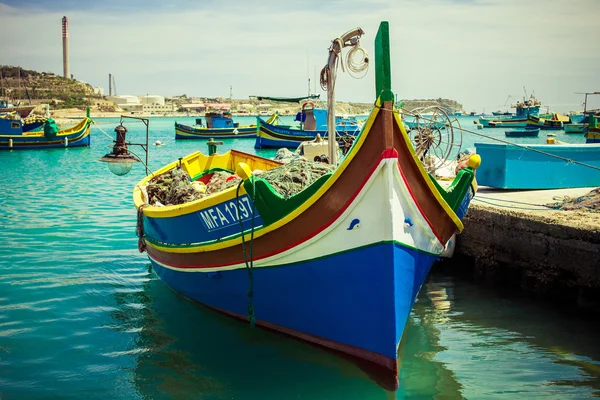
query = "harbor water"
{"x": 83, "y": 316}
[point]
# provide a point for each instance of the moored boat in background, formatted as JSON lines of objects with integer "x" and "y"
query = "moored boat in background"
{"x": 313, "y": 123}
{"x": 523, "y": 132}
{"x": 12, "y": 135}
{"x": 524, "y": 109}
{"x": 218, "y": 125}
{"x": 575, "y": 128}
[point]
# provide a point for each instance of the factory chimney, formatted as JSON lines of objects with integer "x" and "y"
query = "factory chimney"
{"x": 65, "y": 40}
{"x": 110, "y": 84}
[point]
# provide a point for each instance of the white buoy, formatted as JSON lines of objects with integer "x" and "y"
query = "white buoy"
{"x": 158, "y": 143}
{"x": 66, "y": 141}
{"x": 10, "y": 143}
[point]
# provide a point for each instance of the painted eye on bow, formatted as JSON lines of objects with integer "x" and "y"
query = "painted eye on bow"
{"x": 355, "y": 224}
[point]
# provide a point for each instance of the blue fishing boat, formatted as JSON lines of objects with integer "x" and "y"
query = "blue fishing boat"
{"x": 575, "y": 128}
{"x": 524, "y": 109}
{"x": 576, "y": 117}
{"x": 218, "y": 125}
{"x": 515, "y": 167}
{"x": 523, "y": 132}
{"x": 339, "y": 263}
{"x": 313, "y": 122}
{"x": 12, "y": 135}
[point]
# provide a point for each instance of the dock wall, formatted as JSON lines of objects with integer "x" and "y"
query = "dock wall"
{"x": 540, "y": 255}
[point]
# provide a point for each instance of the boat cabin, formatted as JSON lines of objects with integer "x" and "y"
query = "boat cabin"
{"x": 10, "y": 126}
{"x": 216, "y": 120}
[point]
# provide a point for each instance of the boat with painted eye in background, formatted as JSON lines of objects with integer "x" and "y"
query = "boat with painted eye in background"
{"x": 338, "y": 263}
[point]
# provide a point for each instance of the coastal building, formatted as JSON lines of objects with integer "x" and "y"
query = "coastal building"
{"x": 126, "y": 102}
{"x": 148, "y": 104}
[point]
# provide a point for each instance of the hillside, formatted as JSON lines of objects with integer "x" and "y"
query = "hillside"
{"x": 59, "y": 92}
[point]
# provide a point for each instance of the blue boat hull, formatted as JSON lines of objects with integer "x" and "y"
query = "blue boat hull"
{"x": 523, "y": 132}
{"x": 187, "y": 132}
{"x": 511, "y": 167}
{"x": 338, "y": 297}
{"x": 273, "y": 136}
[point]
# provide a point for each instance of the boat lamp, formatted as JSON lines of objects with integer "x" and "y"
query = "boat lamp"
{"x": 120, "y": 161}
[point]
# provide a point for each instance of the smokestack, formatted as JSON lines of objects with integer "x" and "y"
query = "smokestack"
{"x": 110, "y": 84}
{"x": 65, "y": 40}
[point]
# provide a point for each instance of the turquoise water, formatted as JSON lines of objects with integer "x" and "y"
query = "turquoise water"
{"x": 82, "y": 316}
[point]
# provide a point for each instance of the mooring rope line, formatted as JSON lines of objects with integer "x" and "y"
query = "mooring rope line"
{"x": 102, "y": 130}
{"x": 250, "y": 265}
{"x": 544, "y": 207}
{"x": 567, "y": 160}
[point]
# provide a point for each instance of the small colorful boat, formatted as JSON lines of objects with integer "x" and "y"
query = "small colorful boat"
{"x": 593, "y": 133}
{"x": 218, "y": 125}
{"x": 523, "y": 132}
{"x": 575, "y": 128}
{"x": 534, "y": 121}
{"x": 12, "y": 135}
{"x": 523, "y": 109}
{"x": 338, "y": 264}
{"x": 313, "y": 122}
{"x": 576, "y": 117}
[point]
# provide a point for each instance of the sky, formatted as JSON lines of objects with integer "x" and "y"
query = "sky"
{"x": 484, "y": 54}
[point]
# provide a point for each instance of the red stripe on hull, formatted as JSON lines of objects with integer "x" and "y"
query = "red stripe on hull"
{"x": 384, "y": 155}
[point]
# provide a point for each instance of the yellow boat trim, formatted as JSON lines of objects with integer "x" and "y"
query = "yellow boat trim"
{"x": 426, "y": 177}
{"x": 235, "y": 241}
{"x": 81, "y": 126}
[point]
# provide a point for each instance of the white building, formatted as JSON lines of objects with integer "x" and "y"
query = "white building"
{"x": 149, "y": 104}
{"x": 152, "y": 99}
{"x": 127, "y": 103}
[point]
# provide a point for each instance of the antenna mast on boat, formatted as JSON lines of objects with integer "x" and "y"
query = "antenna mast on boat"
{"x": 328, "y": 77}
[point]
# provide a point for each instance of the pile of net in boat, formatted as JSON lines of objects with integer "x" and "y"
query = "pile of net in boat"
{"x": 587, "y": 202}
{"x": 175, "y": 186}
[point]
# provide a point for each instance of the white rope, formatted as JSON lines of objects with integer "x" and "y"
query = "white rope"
{"x": 357, "y": 61}
{"x": 102, "y": 130}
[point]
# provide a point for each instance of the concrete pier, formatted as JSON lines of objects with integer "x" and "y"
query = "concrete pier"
{"x": 511, "y": 239}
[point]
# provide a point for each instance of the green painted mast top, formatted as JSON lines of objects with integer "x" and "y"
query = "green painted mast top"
{"x": 383, "y": 71}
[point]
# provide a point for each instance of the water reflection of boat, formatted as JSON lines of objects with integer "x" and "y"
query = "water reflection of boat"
{"x": 484, "y": 327}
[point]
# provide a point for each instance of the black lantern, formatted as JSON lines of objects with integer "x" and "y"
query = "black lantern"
{"x": 121, "y": 160}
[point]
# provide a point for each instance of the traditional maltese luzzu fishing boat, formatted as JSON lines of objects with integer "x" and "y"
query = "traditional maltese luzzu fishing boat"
{"x": 338, "y": 264}
{"x": 13, "y": 135}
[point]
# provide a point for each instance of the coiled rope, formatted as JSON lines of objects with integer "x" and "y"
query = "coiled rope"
{"x": 357, "y": 61}
{"x": 249, "y": 265}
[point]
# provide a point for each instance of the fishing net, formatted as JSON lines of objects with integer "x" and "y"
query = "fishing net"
{"x": 588, "y": 202}
{"x": 175, "y": 187}
{"x": 295, "y": 176}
